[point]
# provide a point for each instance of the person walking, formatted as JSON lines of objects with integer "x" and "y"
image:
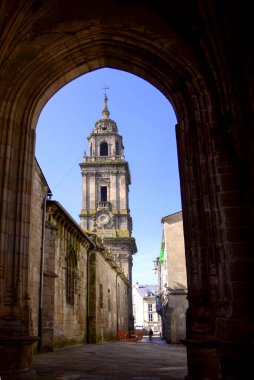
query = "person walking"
{"x": 150, "y": 334}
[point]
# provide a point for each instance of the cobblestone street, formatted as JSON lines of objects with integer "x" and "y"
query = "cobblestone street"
{"x": 154, "y": 360}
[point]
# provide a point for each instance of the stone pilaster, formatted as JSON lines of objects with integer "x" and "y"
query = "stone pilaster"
{"x": 16, "y": 334}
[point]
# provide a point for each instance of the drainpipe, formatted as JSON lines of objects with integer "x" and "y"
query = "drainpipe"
{"x": 39, "y": 345}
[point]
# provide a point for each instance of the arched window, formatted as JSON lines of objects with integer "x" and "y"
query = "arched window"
{"x": 71, "y": 275}
{"x": 104, "y": 149}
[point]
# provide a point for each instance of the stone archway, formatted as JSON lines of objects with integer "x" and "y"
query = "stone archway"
{"x": 186, "y": 56}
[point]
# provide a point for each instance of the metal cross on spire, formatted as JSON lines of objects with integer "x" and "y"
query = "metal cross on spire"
{"x": 105, "y": 111}
{"x": 105, "y": 88}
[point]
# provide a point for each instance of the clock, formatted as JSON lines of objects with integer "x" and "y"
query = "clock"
{"x": 102, "y": 219}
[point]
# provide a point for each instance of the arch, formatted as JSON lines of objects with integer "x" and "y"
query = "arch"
{"x": 185, "y": 55}
{"x": 104, "y": 151}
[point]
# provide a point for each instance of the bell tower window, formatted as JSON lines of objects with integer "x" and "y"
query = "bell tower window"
{"x": 104, "y": 194}
{"x": 117, "y": 149}
{"x": 104, "y": 149}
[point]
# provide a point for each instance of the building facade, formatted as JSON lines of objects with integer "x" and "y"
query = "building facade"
{"x": 78, "y": 293}
{"x": 64, "y": 295}
{"x": 144, "y": 308}
{"x": 105, "y": 201}
{"x": 108, "y": 295}
{"x": 172, "y": 280}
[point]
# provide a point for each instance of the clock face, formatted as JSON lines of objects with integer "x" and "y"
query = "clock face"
{"x": 102, "y": 219}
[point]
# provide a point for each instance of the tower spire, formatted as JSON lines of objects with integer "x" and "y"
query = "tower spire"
{"x": 105, "y": 111}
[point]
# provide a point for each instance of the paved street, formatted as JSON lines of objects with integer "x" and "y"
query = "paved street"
{"x": 146, "y": 360}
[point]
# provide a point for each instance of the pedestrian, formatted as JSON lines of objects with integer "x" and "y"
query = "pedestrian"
{"x": 150, "y": 334}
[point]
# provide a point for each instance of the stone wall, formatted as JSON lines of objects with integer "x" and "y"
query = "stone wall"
{"x": 174, "y": 249}
{"x": 109, "y": 294}
{"x": 65, "y": 281}
{"x": 98, "y": 306}
{"x": 39, "y": 192}
{"x": 63, "y": 316}
{"x": 174, "y": 291}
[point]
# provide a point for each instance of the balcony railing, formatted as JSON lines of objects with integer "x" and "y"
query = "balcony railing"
{"x": 103, "y": 205}
{"x": 103, "y": 158}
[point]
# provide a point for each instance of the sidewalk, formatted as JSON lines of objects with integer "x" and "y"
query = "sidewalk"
{"x": 146, "y": 360}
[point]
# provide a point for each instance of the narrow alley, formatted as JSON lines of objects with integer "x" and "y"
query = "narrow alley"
{"x": 154, "y": 360}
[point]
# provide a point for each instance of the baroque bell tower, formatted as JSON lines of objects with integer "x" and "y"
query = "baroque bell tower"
{"x": 105, "y": 189}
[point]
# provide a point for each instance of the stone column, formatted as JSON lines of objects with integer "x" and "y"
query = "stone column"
{"x": 216, "y": 204}
{"x": 93, "y": 195}
{"x": 113, "y": 189}
{"x": 16, "y": 335}
{"x": 122, "y": 187}
{"x": 85, "y": 193}
{"x": 84, "y": 219}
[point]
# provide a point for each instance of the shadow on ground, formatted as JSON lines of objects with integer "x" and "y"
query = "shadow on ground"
{"x": 154, "y": 360}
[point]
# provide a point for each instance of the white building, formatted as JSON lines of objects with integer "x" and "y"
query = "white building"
{"x": 144, "y": 307}
{"x": 172, "y": 279}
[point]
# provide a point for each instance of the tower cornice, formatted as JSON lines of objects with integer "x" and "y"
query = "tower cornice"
{"x": 102, "y": 164}
{"x": 120, "y": 241}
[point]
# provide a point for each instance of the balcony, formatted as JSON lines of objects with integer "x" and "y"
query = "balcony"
{"x": 104, "y": 205}
{"x": 103, "y": 158}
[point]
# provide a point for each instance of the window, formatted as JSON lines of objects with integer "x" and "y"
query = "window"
{"x": 104, "y": 194}
{"x": 150, "y": 307}
{"x": 101, "y": 296}
{"x": 104, "y": 149}
{"x": 71, "y": 275}
{"x": 117, "y": 149}
{"x": 150, "y": 317}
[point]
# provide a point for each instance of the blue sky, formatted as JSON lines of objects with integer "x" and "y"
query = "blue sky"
{"x": 146, "y": 120}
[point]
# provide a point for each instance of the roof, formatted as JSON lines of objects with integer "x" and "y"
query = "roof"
{"x": 68, "y": 217}
{"x": 145, "y": 290}
{"x": 175, "y": 217}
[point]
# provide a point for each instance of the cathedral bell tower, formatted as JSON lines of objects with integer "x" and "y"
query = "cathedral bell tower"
{"x": 105, "y": 187}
